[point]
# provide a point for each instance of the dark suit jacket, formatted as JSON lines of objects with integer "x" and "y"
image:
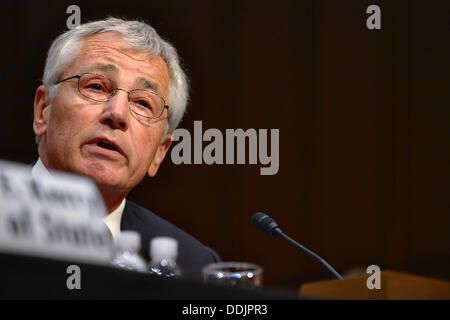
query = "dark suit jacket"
{"x": 192, "y": 254}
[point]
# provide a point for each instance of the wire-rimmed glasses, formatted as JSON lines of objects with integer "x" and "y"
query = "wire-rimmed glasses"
{"x": 145, "y": 103}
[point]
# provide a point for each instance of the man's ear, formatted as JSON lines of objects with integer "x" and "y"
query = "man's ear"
{"x": 160, "y": 154}
{"x": 41, "y": 110}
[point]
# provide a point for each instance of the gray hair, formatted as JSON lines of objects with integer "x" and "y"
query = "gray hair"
{"x": 138, "y": 35}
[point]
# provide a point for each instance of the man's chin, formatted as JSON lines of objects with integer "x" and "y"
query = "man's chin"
{"x": 108, "y": 182}
{"x": 105, "y": 177}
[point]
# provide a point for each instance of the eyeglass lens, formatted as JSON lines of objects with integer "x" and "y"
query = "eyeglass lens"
{"x": 142, "y": 102}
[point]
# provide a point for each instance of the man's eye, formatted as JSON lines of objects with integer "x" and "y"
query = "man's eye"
{"x": 144, "y": 104}
{"x": 96, "y": 87}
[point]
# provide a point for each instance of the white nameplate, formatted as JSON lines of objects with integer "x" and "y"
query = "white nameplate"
{"x": 58, "y": 215}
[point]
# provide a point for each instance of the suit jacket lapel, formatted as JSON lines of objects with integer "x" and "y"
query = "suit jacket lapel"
{"x": 130, "y": 221}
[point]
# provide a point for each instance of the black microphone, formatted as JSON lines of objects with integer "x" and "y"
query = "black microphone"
{"x": 265, "y": 224}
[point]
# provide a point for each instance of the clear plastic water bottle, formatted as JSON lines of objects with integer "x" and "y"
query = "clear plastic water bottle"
{"x": 164, "y": 253}
{"x": 127, "y": 245}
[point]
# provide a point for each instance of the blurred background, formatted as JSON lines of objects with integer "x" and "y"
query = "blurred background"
{"x": 363, "y": 119}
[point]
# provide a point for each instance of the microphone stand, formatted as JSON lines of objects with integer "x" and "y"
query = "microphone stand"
{"x": 281, "y": 234}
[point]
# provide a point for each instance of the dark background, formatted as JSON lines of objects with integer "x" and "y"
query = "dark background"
{"x": 362, "y": 114}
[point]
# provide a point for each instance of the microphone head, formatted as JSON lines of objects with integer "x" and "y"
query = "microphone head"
{"x": 265, "y": 224}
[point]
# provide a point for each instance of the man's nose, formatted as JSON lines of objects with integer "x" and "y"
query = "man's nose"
{"x": 117, "y": 111}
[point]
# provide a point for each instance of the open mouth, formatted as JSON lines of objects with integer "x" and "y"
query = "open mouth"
{"x": 106, "y": 144}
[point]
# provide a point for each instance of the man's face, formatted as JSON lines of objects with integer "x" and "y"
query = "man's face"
{"x": 78, "y": 130}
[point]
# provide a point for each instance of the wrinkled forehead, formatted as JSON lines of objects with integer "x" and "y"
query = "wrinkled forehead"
{"x": 114, "y": 41}
{"x": 110, "y": 53}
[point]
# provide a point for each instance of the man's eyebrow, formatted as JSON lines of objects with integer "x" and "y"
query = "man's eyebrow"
{"x": 144, "y": 82}
{"x": 148, "y": 84}
{"x": 104, "y": 67}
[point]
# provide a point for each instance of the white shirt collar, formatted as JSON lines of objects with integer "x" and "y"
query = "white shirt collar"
{"x": 39, "y": 169}
{"x": 112, "y": 220}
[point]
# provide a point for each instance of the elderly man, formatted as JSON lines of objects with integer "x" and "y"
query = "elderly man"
{"x": 112, "y": 94}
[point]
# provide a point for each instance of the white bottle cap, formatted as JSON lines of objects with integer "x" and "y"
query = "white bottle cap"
{"x": 163, "y": 247}
{"x": 128, "y": 241}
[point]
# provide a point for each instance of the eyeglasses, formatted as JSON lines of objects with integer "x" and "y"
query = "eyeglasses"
{"x": 96, "y": 87}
